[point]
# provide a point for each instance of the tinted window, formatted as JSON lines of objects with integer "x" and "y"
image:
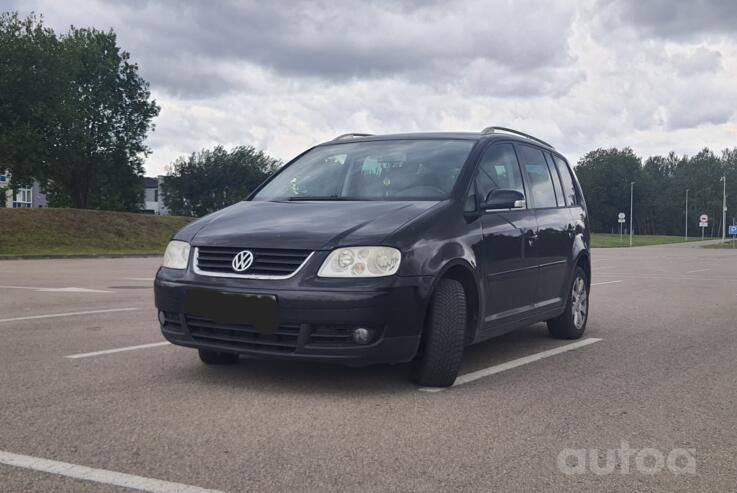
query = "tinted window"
{"x": 498, "y": 169}
{"x": 556, "y": 180}
{"x": 379, "y": 170}
{"x": 538, "y": 176}
{"x": 569, "y": 190}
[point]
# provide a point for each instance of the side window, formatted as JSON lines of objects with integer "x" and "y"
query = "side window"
{"x": 538, "y": 176}
{"x": 498, "y": 169}
{"x": 556, "y": 180}
{"x": 569, "y": 190}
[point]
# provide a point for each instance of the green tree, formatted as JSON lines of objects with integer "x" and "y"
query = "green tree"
{"x": 74, "y": 114}
{"x": 212, "y": 179}
{"x": 605, "y": 176}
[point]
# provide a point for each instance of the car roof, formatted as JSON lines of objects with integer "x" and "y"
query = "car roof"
{"x": 476, "y": 136}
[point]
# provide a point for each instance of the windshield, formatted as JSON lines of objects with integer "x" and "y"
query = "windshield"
{"x": 379, "y": 170}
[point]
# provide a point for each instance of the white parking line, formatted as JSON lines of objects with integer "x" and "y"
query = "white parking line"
{"x": 69, "y": 314}
{"x": 606, "y": 282}
{"x": 139, "y": 279}
{"x": 697, "y": 270}
{"x": 70, "y": 289}
{"x": 98, "y": 475}
{"x": 493, "y": 370}
{"x": 117, "y": 350}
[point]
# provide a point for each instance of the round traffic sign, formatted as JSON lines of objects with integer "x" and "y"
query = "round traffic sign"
{"x": 621, "y": 215}
{"x": 703, "y": 218}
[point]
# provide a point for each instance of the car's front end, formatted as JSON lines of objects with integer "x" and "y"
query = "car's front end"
{"x": 289, "y": 311}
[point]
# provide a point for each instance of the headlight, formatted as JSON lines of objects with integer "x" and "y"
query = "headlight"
{"x": 176, "y": 255}
{"x": 361, "y": 262}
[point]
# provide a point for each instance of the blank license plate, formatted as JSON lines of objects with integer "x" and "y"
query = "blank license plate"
{"x": 259, "y": 310}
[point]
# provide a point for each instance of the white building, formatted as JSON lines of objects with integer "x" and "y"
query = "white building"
{"x": 152, "y": 200}
{"x": 23, "y": 197}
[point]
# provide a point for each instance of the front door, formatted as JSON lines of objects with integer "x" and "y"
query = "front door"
{"x": 508, "y": 262}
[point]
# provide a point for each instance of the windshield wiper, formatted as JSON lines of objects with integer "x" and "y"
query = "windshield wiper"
{"x": 319, "y": 197}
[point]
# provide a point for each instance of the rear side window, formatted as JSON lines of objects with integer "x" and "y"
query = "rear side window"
{"x": 498, "y": 169}
{"x": 538, "y": 176}
{"x": 556, "y": 180}
{"x": 569, "y": 190}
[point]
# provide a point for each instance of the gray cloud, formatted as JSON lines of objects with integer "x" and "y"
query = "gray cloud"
{"x": 430, "y": 42}
{"x": 673, "y": 18}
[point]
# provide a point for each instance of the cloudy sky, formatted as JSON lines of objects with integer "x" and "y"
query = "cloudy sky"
{"x": 656, "y": 75}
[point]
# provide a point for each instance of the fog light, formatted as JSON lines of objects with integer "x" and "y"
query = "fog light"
{"x": 362, "y": 335}
{"x": 162, "y": 317}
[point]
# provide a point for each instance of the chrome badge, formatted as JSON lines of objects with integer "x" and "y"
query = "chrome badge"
{"x": 242, "y": 261}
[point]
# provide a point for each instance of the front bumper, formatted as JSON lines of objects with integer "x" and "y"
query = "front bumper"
{"x": 316, "y": 317}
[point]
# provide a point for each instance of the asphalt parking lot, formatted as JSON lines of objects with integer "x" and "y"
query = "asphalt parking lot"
{"x": 658, "y": 372}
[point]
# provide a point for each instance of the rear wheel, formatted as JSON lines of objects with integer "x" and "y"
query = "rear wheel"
{"x": 440, "y": 355}
{"x": 571, "y": 324}
{"x": 217, "y": 358}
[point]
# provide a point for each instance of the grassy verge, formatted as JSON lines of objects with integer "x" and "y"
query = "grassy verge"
{"x": 604, "y": 240}
{"x": 39, "y": 232}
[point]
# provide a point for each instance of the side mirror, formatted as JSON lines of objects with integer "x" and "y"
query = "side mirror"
{"x": 503, "y": 198}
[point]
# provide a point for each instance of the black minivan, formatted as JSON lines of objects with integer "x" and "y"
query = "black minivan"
{"x": 386, "y": 249}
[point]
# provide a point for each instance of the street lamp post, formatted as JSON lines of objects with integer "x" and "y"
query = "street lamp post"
{"x": 687, "y": 214}
{"x": 632, "y": 204}
{"x": 724, "y": 209}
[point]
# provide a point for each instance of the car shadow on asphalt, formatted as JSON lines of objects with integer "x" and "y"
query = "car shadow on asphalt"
{"x": 280, "y": 375}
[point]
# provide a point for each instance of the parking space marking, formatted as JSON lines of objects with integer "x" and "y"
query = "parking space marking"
{"x": 68, "y": 314}
{"x": 605, "y": 282}
{"x": 139, "y": 279}
{"x": 118, "y": 350}
{"x": 697, "y": 270}
{"x": 665, "y": 277}
{"x": 70, "y": 289}
{"x": 493, "y": 370}
{"x": 103, "y": 476}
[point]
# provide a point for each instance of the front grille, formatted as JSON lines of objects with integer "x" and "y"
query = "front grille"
{"x": 243, "y": 336}
{"x": 269, "y": 262}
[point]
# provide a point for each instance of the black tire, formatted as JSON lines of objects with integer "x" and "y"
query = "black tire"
{"x": 217, "y": 358}
{"x": 571, "y": 324}
{"x": 441, "y": 350}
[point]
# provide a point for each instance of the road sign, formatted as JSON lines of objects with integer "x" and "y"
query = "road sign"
{"x": 733, "y": 231}
{"x": 703, "y": 221}
{"x": 621, "y": 215}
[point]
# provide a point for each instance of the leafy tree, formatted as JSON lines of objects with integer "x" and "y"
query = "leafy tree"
{"x": 605, "y": 176}
{"x": 212, "y": 179}
{"x": 660, "y": 189}
{"x": 73, "y": 114}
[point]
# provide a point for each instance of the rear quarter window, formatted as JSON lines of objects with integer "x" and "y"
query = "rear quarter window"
{"x": 569, "y": 189}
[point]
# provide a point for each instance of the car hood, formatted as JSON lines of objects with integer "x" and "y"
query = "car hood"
{"x": 314, "y": 225}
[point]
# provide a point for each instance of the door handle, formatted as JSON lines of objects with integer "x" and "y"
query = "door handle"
{"x": 531, "y": 237}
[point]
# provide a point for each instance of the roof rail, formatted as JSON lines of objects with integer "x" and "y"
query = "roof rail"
{"x": 351, "y": 136}
{"x": 491, "y": 130}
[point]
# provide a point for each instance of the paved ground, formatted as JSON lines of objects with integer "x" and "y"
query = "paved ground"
{"x": 662, "y": 377}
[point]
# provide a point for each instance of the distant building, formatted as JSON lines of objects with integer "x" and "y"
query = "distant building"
{"x": 152, "y": 200}
{"x": 25, "y": 197}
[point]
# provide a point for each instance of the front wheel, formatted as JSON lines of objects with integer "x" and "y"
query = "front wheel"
{"x": 572, "y": 322}
{"x": 439, "y": 359}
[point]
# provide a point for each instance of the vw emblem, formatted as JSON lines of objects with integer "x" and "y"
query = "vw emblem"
{"x": 242, "y": 261}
